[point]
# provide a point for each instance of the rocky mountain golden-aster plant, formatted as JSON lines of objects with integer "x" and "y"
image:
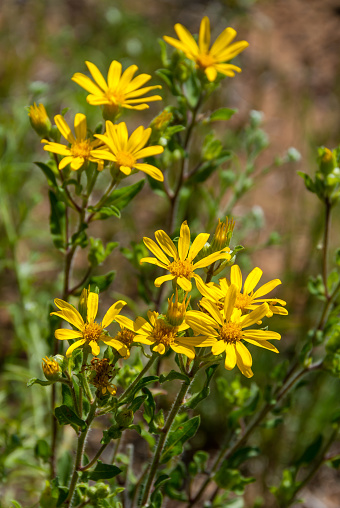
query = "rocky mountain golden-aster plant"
{"x": 116, "y": 367}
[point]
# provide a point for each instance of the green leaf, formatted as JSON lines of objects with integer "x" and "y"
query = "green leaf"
{"x": 174, "y": 375}
{"x": 42, "y": 449}
{"x": 143, "y": 382}
{"x": 137, "y": 402}
{"x": 231, "y": 479}
{"x": 311, "y": 452}
{"x": 36, "y": 381}
{"x": 57, "y": 221}
{"x": 102, "y": 281}
{"x": 104, "y": 471}
{"x": 98, "y": 253}
{"x": 243, "y": 454}
{"x": 15, "y": 504}
{"x": 104, "y": 212}
{"x": 65, "y": 415}
{"x": 50, "y": 176}
{"x": 222, "y": 114}
{"x": 177, "y": 437}
{"x": 120, "y": 198}
{"x": 310, "y": 185}
{"x": 204, "y": 392}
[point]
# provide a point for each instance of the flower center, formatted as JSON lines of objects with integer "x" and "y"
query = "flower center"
{"x": 81, "y": 149}
{"x": 126, "y": 337}
{"x": 181, "y": 268}
{"x": 163, "y": 333}
{"x": 92, "y": 331}
{"x": 231, "y": 332}
{"x": 205, "y": 60}
{"x": 115, "y": 96}
{"x": 125, "y": 159}
{"x": 242, "y": 301}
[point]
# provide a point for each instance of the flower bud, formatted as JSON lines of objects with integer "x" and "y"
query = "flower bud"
{"x": 176, "y": 310}
{"x": 124, "y": 418}
{"x": 39, "y": 120}
{"x": 223, "y": 234}
{"x": 51, "y": 368}
{"x": 326, "y": 161}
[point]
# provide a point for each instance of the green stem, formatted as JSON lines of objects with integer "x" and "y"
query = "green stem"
{"x": 325, "y": 245}
{"x": 80, "y": 453}
{"x": 169, "y": 421}
{"x": 138, "y": 378}
{"x": 95, "y": 458}
{"x": 226, "y": 452}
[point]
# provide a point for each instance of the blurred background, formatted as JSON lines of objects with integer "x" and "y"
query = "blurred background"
{"x": 290, "y": 72}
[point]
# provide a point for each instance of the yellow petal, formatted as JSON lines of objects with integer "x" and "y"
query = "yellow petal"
{"x": 94, "y": 347}
{"x": 197, "y": 245}
{"x": 236, "y": 276}
{"x": 166, "y": 243}
{"x": 64, "y": 128}
{"x": 103, "y": 154}
{"x": 127, "y": 76}
{"x": 153, "y": 261}
{"x": 209, "y": 260}
{"x": 97, "y": 76}
{"x": 92, "y": 307}
{"x": 125, "y": 322}
{"x": 142, "y": 91}
{"x": 211, "y": 73}
{"x": 77, "y": 320}
{"x": 184, "y": 283}
{"x": 64, "y": 162}
{"x": 186, "y": 350}
{"x": 232, "y": 50}
{"x": 212, "y": 310}
{"x": 204, "y": 35}
{"x": 229, "y": 301}
{"x": 122, "y": 135}
{"x": 218, "y": 347}
{"x": 159, "y": 281}
{"x": 137, "y": 82}
{"x": 266, "y": 288}
{"x": 87, "y": 83}
{"x": 95, "y": 100}
{"x": 80, "y": 126}
{"x": 74, "y": 346}
{"x": 230, "y": 356}
{"x": 261, "y": 335}
{"x": 143, "y": 339}
{"x": 252, "y": 280}
{"x": 264, "y": 344}
{"x": 185, "y": 36}
{"x": 112, "y": 313}
{"x": 147, "y": 152}
{"x": 184, "y": 241}
{"x": 76, "y": 163}
{"x": 57, "y": 148}
{"x": 114, "y": 74}
{"x": 153, "y": 247}
{"x": 179, "y": 45}
{"x": 66, "y": 334}
{"x": 150, "y": 170}
{"x": 222, "y": 41}
{"x": 255, "y": 315}
{"x": 138, "y": 139}
{"x": 160, "y": 348}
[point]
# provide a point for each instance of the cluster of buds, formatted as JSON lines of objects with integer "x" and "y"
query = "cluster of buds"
{"x": 326, "y": 184}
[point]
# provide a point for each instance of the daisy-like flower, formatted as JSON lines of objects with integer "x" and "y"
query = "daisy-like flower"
{"x": 160, "y": 335}
{"x": 80, "y": 150}
{"x": 211, "y": 61}
{"x": 248, "y": 299}
{"x": 120, "y": 90}
{"x": 227, "y": 325}
{"x": 182, "y": 268}
{"x": 125, "y": 151}
{"x": 90, "y": 331}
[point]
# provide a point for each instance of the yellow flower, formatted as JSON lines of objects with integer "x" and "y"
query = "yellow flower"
{"x": 51, "y": 369}
{"x": 125, "y": 150}
{"x": 90, "y": 331}
{"x": 39, "y": 119}
{"x": 80, "y": 150}
{"x": 246, "y": 300}
{"x": 123, "y": 341}
{"x": 120, "y": 90}
{"x": 226, "y": 327}
{"x": 162, "y": 335}
{"x": 182, "y": 268}
{"x": 211, "y": 61}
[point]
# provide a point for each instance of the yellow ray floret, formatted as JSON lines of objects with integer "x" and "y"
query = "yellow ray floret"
{"x": 80, "y": 147}
{"x": 120, "y": 90}
{"x": 226, "y": 327}
{"x": 125, "y": 151}
{"x": 160, "y": 335}
{"x": 212, "y": 60}
{"x": 182, "y": 268}
{"x": 89, "y": 332}
{"x": 247, "y": 299}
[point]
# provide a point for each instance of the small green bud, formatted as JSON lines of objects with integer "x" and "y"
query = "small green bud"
{"x": 39, "y": 120}
{"x": 103, "y": 490}
{"x": 124, "y": 418}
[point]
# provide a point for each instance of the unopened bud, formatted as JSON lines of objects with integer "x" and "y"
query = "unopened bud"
{"x": 124, "y": 418}
{"x": 176, "y": 310}
{"x": 51, "y": 369}
{"x": 223, "y": 234}
{"x": 39, "y": 120}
